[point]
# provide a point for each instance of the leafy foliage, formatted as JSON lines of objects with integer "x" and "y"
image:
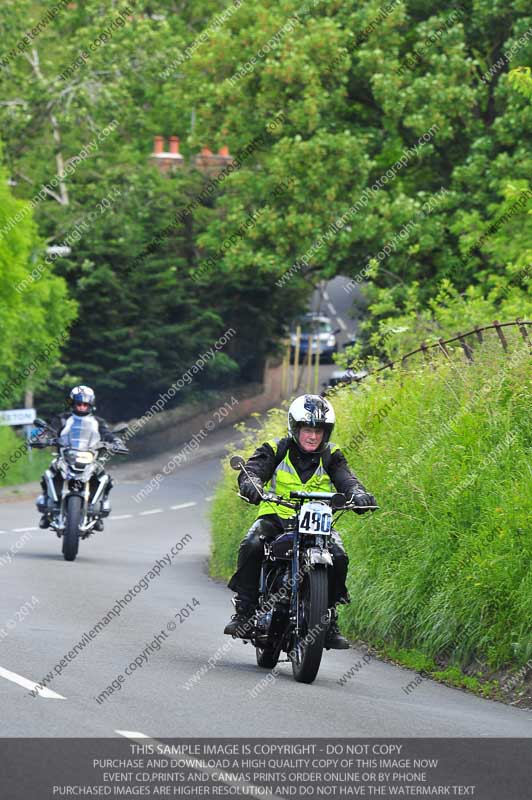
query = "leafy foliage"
{"x": 444, "y": 565}
{"x": 30, "y": 317}
{"x": 420, "y": 87}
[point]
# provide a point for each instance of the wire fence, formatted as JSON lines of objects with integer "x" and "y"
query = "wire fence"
{"x": 441, "y": 346}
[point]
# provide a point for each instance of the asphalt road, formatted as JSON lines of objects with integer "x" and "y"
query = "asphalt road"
{"x": 63, "y": 600}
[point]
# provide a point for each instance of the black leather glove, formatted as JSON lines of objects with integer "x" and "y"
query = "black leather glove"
{"x": 363, "y": 499}
{"x": 39, "y": 443}
{"x": 116, "y": 445}
{"x": 251, "y": 492}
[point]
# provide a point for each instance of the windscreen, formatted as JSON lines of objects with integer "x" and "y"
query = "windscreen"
{"x": 80, "y": 433}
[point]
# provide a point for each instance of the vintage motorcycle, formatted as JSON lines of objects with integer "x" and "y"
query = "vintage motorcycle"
{"x": 292, "y": 613}
{"x": 75, "y": 501}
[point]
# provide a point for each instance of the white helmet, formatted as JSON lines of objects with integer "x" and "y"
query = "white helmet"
{"x": 82, "y": 394}
{"x": 312, "y": 410}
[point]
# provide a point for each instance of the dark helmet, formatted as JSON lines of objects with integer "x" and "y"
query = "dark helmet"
{"x": 314, "y": 411}
{"x": 81, "y": 394}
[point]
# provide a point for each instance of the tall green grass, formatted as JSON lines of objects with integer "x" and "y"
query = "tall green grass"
{"x": 16, "y": 466}
{"x": 445, "y": 566}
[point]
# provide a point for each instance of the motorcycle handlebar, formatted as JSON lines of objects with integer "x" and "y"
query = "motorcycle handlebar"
{"x": 337, "y": 499}
{"x": 279, "y": 501}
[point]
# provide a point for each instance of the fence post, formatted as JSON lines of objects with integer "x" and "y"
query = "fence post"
{"x": 479, "y": 334}
{"x": 500, "y": 334}
{"x": 523, "y": 331}
{"x": 427, "y": 359}
{"x": 442, "y": 343}
{"x": 465, "y": 346}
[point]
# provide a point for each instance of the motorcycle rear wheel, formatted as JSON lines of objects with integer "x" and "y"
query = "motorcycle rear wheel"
{"x": 313, "y": 596}
{"x": 71, "y": 534}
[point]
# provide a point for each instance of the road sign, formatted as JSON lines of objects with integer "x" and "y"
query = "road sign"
{"x": 17, "y": 416}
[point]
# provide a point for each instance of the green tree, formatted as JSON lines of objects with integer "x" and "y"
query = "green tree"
{"x": 34, "y": 307}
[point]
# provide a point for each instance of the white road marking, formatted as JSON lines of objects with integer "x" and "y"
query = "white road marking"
{"x": 326, "y": 295}
{"x": 209, "y": 499}
{"x": 23, "y": 530}
{"x": 341, "y": 323}
{"x": 120, "y": 516}
{"x": 182, "y": 505}
{"x": 331, "y": 308}
{"x": 133, "y": 734}
{"x": 42, "y": 691}
{"x": 153, "y": 511}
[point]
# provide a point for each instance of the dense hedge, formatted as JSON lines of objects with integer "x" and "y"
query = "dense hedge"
{"x": 445, "y": 566}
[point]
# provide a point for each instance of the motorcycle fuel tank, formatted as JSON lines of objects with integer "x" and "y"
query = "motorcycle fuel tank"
{"x": 281, "y": 547}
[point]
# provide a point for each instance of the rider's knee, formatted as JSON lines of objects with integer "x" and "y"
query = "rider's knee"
{"x": 339, "y": 555}
{"x": 251, "y": 542}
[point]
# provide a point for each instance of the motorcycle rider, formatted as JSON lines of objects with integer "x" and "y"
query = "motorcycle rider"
{"x": 81, "y": 403}
{"x": 305, "y": 460}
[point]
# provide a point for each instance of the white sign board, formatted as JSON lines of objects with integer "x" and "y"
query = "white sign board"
{"x": 17, "y": 416}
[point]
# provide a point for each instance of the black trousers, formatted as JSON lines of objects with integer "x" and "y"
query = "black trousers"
{"x": 245, "y": 581}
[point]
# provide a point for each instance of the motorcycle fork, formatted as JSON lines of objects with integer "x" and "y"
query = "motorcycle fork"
{"x": 294, "y": 596}
{"x": 86, "y": 502}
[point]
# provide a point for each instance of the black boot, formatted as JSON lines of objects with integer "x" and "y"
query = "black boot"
{"x": 44, "y": 522}
{"x": 334, "y": 639}
{"x": 242, "y": 623}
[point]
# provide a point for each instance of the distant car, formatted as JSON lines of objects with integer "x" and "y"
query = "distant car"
{"x": 345, "y": 376}
{"x": 312, "y": 326}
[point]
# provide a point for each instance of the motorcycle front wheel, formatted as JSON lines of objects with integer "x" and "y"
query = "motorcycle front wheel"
{"x": 73, "y": 521}
{"x": 308, "y": 646}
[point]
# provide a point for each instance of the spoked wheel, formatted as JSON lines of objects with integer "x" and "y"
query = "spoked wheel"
{"x": 71, "y": 534}
{"x": 308, "y": 647}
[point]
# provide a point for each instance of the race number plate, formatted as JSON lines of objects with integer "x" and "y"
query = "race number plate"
{"x": 315, "y": 518}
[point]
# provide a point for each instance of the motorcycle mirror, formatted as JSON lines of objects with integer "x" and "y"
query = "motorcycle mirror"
{"x": 338, "y": 500}
{"x": 40, "y": 423}
{"x": 236, "y": 462}
{"x": 123, "y": 426}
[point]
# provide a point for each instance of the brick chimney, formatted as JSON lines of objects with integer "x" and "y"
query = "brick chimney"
{"x": 166, "y": 161}
{"x": 212, "y": 164}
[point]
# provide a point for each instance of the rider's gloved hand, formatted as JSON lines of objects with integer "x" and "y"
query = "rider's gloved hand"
{"x": 363, "y": 499}
{"x": 39, "y": 442}
{"x": 251, "y": 490}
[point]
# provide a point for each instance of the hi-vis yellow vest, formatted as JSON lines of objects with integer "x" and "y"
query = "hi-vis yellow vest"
{"x": 285, "y": 480}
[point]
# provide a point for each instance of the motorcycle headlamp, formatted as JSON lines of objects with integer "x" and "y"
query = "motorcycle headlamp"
{"x": 77, "y": 458}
